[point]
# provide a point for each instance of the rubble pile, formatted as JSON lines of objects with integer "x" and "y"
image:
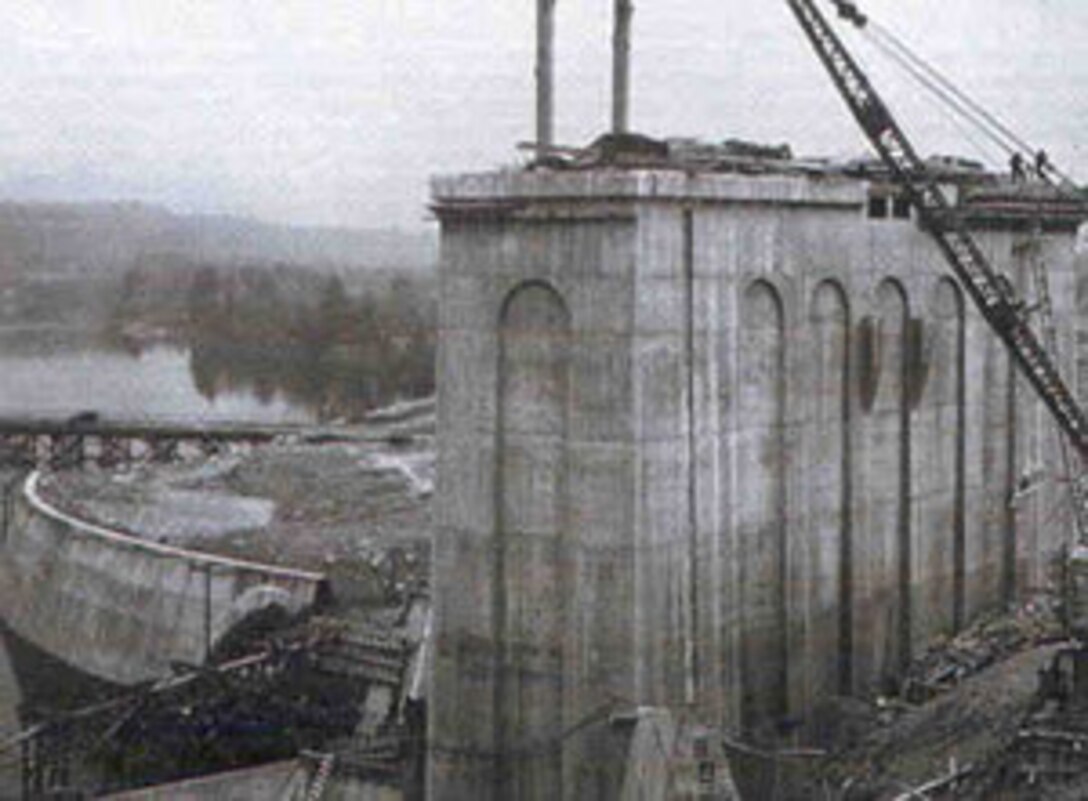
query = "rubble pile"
{"x": 1047, "y": 756}
{"x": 318, "y": 685}
{"x": 993, "y": 638}
{"x": 958, "y": 713}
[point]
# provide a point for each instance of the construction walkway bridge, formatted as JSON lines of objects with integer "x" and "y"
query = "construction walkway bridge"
{"x": 86, "y": 438}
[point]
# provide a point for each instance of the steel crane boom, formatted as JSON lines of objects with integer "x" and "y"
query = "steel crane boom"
{"x": 992, "y": 296}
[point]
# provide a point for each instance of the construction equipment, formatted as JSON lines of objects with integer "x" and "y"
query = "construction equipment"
{"x": 992, "y": 295}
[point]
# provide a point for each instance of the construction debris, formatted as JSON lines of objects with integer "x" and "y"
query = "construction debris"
{"x": 959, "y": 709}
{"x": 993, "y": 638}
{"x": 321, "y": 685}
{"x": 942, "y": 784}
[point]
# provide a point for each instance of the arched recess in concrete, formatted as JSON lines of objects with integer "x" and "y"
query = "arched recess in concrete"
{"x": 830, "y": 498}
{"x": 532, "y": 581}
{"x": 942, "y": 538}
{"x": 761, "y": 512}
{"x": 885, "y": 623}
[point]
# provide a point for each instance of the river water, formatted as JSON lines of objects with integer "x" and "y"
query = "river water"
{"x": 57, "y": 373}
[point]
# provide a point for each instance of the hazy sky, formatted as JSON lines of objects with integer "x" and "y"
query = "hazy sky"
{"x": 337, "y": 111}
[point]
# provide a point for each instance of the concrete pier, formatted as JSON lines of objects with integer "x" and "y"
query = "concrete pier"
{"x": 727, "y": 444}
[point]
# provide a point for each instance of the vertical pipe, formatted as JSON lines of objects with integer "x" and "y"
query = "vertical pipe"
{"x": 545, "y": 77}
{"x": 621, "y": 66}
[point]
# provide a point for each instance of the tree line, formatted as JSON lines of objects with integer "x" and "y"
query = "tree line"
{"x": 276, "y": 330}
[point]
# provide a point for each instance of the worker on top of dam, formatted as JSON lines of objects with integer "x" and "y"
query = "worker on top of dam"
{"x": 1016, "y": 168}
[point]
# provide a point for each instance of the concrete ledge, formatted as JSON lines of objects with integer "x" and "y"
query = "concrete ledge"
{"x": 512, "y": 186}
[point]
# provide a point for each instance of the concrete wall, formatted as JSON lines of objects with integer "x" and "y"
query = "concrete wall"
{"x": 121, "y": 608}
{"x": 714, "y": 443}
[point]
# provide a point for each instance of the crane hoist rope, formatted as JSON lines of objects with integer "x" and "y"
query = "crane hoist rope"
{"x": 941, "y": 87}
{"x": 1001, "y": 134}
{"x": 968, "y": 125}
{"x": 993, "y": 297}
{"x": 1008, "y": 139}
{"x": 950, "y": 97}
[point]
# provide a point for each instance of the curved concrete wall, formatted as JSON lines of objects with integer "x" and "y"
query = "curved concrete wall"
{"x": 122, "y": 608}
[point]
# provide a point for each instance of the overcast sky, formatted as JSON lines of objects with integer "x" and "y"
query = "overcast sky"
{"x": 337, "y": 111}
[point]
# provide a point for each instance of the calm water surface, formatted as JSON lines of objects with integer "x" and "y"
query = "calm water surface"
{"x": 55, "y": 375}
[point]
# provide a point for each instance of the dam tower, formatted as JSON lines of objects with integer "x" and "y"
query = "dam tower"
{"x": 720, "y": 436}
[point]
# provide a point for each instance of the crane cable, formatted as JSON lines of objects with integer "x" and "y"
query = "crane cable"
{"x": 925, "y": 72}
{"x": 950, "y": 99}
{"x": 948, "y": 108}
{"x": 958, "y": 100}
{"x": 893, "y": 42}
{"x": 947, "y": 91}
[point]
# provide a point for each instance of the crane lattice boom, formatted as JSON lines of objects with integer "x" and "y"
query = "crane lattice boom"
{"x": 992, "y": 295}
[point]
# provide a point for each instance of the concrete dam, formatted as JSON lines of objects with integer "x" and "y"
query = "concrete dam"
{"x": 121, "y": 608}
{"x": 177, "y": 603}
{"x": 721, "y": 443}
